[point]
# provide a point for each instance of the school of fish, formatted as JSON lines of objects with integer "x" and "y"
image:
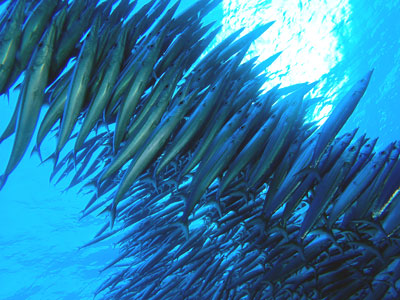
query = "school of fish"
{"x": 215, "y": 187}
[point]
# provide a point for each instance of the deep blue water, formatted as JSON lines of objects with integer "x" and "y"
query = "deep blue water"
{"x": 40, "y": 227}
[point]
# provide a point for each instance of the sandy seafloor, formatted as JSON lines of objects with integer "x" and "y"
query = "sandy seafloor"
{"x": 338, "y": 40}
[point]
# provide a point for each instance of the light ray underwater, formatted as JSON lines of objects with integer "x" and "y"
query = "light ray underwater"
{"x": 213, "y": 184}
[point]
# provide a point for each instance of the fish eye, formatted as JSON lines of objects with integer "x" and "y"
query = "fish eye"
{"x": 40, "y": 44}
{"x": 180, "y": 103}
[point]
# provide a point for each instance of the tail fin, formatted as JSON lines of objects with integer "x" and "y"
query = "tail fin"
{"x": 183, "y": 226}
{"x": 53, "y": 157}
{"x": 216, "y": 205}
{"x": 313, "y": 171}
{"x": 36, "y": 149}
{"x": 3, "y": 179}
{"x": 91, "y": 186}
{"x": 113, "y": 214}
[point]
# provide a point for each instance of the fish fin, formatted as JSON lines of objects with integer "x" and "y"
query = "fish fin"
{"x": 51, "y": 176}
{"x": 90, "y": 184}
{"x": 112, "y": 210}
{"x": 3, "y": 179}
{"x": 17, "y": 87}
{"x": 217, "y": 205}
{"x": 374, "y": 224}
{"x": 65, "y": 190}
{"x": 96, "y": 127}
{"x": 307, "y": 171}
{"x": 258, "y": 222}
{"x": 105, "y": 210}
{"x": 74, "y": 159}
{"x": 113, "y": 214}
{"x": 8, "y": 96}
{"x": 36, "y": 149}
{"x": 183, "y": 226}
{"x": 152, "y": 181}
{"x": 218, "y": 195}
{"x": 155, "y": 75}
{"x": 53, "y": 157}
{"x": 101, "y": 231}
{"x": 104, "y": 122}
{"x": 278, "y": 229}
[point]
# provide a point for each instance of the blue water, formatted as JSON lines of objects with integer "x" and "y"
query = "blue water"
{"x": 374, "y": 43}
{"x": 40, "y": 226}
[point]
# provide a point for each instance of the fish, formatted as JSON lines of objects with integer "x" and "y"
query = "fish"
{"x": 339, "y": 116}
{"x": 53, "y": 114}
{"x": 251, "y": 150}
{"x": 10, "y": 37}
{"x": 208, "y": 171}
{"x": 192, "y": 126}
{"x": 152, "y": 146}
{"x": 79, "y": 17}
{"x": 172, "y": 130}
{"x": 32, "y": 31}
{"x": 359, "y": 183}
{"x": 275, "y": 143}
{"x": 10, "y": 129}
{"x": 147, "y": 125}
{"x": 31, "y": 99}
{"x": 78, "y": 86}
{"x": 389, "y": 189}
{"x": 326, "y": 190}
{"x": 103, "y": 95}
{"x": 144, "y": 70}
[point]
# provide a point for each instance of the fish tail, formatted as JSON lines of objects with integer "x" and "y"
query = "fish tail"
{"x": 3, "y": 179}
{"x": 310, "y": 170}
{"x": 53, "y": 157}
{"x": 91, "y": 184}
{"x": 104, "y": 121}
{"x": 36, "y": 149}
{"x": 218, "y": 195}
{"x": 74, "y": 159}
{"x": 113, "y": 215}
{"x": 112, "y": 210}
{"x": 102, "y": 124}
{"x": 183, "y": 226}
{"x": 217, "y": 205}
{"x": 154, "y": 182}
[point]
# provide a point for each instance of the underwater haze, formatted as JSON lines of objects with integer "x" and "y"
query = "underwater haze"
{"x": 333, "y": 42}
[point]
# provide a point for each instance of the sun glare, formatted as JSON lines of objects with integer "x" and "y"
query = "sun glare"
{"x": 303, "y": 30}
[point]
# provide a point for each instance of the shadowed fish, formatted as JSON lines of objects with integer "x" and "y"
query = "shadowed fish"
{"x": 31, "y": 99}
